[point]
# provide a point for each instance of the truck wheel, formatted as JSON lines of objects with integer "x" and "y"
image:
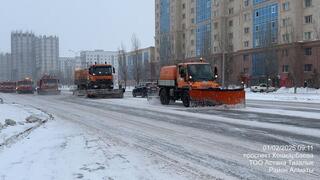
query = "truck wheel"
{"x": 134, "y": 95}
{"x": 164, "y": 98}
{"x": 186, "y": 99}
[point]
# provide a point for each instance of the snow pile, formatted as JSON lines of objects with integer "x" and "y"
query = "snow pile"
{"x": 16, "y": 119}
{"x": 284, "y": 90}
{"x": 67, "y": 88}
{"x": 287, "y": 94}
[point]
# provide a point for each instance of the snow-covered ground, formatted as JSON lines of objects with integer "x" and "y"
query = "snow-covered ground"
{"x": 287, "y": 94}
{"x": 62, "y": 150}
{"x": 20, "y": 119}
{"x": 130, "y": 138}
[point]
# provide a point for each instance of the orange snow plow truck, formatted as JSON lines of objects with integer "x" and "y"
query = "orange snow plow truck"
{"x": 195, "y": 83}
{"x": 97, "y": 81}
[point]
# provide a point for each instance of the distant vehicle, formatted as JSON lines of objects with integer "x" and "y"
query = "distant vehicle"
{"x": 48, "y": 85}
{"x": 25, "y": 86}
{"x": 97, "y": 81}
{"x": 8, "y": 87}
{"x": 263, "y": 88}
{"x": 142, "y": 89}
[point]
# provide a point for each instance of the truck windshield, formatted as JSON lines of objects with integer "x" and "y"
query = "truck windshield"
{"x": 50, "y": 81}
{"x": 102, "y": 71}
{"x": 200, "y": 72}
{"x": 22, "y": 83}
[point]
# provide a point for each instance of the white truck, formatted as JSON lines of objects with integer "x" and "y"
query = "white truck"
{"x": 262, "y": 88}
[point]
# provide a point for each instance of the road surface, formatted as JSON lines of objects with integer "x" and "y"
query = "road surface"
{"x": 205, "y": 143}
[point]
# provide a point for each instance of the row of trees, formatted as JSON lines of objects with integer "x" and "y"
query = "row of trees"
{"x": 139, "y": 69}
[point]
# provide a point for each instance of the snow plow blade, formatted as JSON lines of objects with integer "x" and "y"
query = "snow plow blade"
{"x": 218, "y": 96}
{"x": 105, "y": 93}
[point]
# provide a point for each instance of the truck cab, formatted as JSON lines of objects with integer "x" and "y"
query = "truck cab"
{"x": 25, "y": 86}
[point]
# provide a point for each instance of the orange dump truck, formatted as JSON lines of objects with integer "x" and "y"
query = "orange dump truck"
{"x": 193, "y": 83}
{"x": 97, "y": 81}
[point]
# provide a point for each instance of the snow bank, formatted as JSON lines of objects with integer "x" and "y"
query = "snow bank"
{"x": 308, "y": 95}
{"x": 23, "y": 118}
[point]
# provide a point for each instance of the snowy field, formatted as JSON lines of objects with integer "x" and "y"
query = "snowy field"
{"x": 132, "y": 138}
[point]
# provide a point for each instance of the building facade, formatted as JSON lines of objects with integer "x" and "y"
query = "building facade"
{"x": 88, "y": 58}
{"x": 5, "y": 67}
{"x": 46, "y": 55}
{"x": 67, "y": 66}
{"x": 140, "y": 65}
{"x": 23, "y": 55}
{"x": 33, "y": 56}
{"x": 252, "y": 40}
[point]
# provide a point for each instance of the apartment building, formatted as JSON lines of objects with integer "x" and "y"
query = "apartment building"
{"x": 5, "y": 67}
{"x": 88, "y": 58}
{"x": 33, "y": 56}
{"x": 47, "y": 55}
{"x": 23, "y": 55}
{"x": 252, "y": 40}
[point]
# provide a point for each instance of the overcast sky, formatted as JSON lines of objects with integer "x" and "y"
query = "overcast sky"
{"x": 80, "y": 24}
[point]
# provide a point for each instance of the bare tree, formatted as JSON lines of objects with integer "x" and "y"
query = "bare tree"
{"x": 123, "y": 68}
{"x": 137, "y": 61}
{"x": 295, "y": 64}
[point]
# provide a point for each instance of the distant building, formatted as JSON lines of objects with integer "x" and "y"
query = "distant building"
{"x": 140, "y": 63}
{"x": 5, "y": 67}
{"x": 47, "y": 55}
{"x": 23, "y": 55}
{"x": 88, "y": 58}
{"x": 67, "y": 66}
{"x": 33, "y": 56}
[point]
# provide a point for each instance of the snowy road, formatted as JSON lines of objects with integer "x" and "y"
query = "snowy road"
{"x": 197, "y": 143}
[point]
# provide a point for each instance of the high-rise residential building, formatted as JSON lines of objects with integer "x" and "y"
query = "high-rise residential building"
{"x": 23, "y": 55}
{"x": 5, "y": 67}
{"x": 33, "y": 56}
{"x": 252, "y": 40}
{"x": 46, "y": 55}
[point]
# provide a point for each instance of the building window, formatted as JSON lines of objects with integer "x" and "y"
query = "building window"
{"x": 308, "y": 51}
{"x": 231, "y": 11}
{"x": 307, "y": 36}
{"x": 285, "y": 68}
{"x": 308, "y": 19}
{"x": 257, "y": 28}
{"x": 273, "y": 9}
{"x": 285, "y": 37}
{"x": 246, "y": 44}
{"x": 246, "y": 30}
{"x": 285, "y": 6}
{"x": 307, "y": 3}
{"x": 230, "y": 23}
{"x": 230, "y": 35}
{"x": 307, "y": 67}
{"x": 246, "y": 2}
{"x": 285, "y": 22}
